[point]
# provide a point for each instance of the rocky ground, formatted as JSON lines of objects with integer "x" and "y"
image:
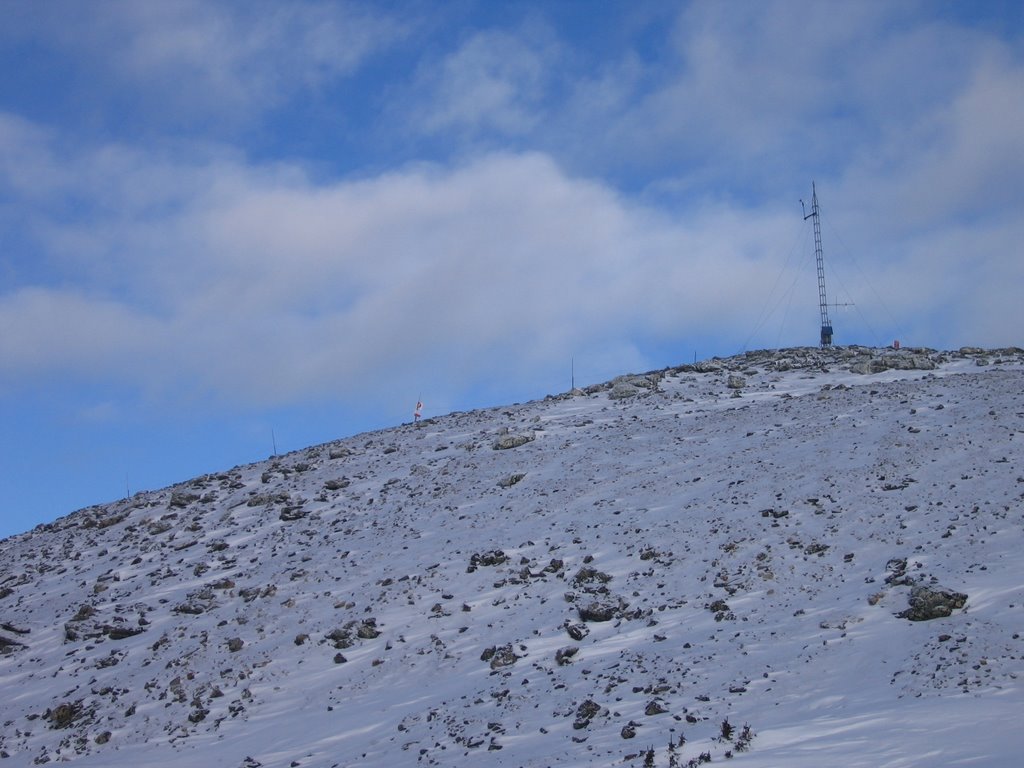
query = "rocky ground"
{"x": 794, "y": 557}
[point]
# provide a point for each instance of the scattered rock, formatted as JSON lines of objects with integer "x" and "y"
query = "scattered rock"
{"x": 897, "y": 573}
{"x": 591, "y": 580}
{"x": 367, "y": 629}
{"x": 500, "y": 657}
{"x": 486, "y": 559}
{"x": 586, "y": 712}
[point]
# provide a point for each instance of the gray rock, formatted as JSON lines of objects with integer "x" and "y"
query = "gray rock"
{"x": 577, "y": 631}
{"x": 590, "y": 579}
{"x": 9, "y": 645}
{"x": 505, "y": 442}
{"x": 65, "y": 714}
{"x": 182, "y": 499}
{"x": 862, "y": 368}
{"x": 564, "y": 655}
{"x": 934, "y": 602}
{"x": 622, "y": 390}
{"x": 599, "y": 610}
{"x": 486, "y": 559}
{"x": 508, "y": 482}
{"x": 892, "y": 360}
{"x": 654, "y": 708}
{"x": 290, "y": 514}
{"x": 501, "y": 657}
{"x": 121, "y": 631}
{"x": 367, "y": 629}
{"x": 586, "y": 712}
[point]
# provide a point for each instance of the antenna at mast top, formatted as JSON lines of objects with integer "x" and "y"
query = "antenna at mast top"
{"x": 826, "y": 324}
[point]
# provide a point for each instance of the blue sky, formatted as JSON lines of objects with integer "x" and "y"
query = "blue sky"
{"x": 230, "y": 225}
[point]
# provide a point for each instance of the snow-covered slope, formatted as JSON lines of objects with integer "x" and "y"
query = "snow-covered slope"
{"x": 620, "y": 576}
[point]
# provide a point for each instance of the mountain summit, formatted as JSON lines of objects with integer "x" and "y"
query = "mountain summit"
{"x": 799, "y": 557}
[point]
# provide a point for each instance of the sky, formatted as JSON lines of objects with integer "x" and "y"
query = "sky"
{"x": 229, "y": 229}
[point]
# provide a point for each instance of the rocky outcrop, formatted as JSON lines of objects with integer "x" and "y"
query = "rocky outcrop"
{"x": 504, "y": 442}
{"x": 932, "y": 602}
{"x": 487, "y": 559}
{"x": 600, "y": 610}
{"x": 586, "y": 712}
{"x": 500, "y": 657}
{"x": 625, "y": 387}
{"x": 9, "y": 645}
{"x": 894, "y": 360}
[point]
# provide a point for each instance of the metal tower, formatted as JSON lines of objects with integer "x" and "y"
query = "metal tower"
{"x": 826, "y": 324}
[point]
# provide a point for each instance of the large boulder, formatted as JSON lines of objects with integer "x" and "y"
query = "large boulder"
{"x": 934, "y": 602}
{"x": 599, "y": 610}
{"x": 632, "y": 385}
{"x": 504, "y": 442}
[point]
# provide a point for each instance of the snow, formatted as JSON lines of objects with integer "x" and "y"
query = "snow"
{"x": 787, "y": 499}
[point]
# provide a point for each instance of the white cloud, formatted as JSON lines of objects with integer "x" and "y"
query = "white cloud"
{"x": 263, "y": 285}
{"x": 48, "y": 331}
{"x": 193, "y": 59}
{"x": 965, "y": 157}
{"x": 495, "y": 81}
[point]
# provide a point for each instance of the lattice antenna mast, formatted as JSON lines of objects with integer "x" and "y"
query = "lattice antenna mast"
{"x": 826, "y": 324}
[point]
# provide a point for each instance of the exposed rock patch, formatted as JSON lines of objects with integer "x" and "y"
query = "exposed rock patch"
{"x": 932, "y": 602}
